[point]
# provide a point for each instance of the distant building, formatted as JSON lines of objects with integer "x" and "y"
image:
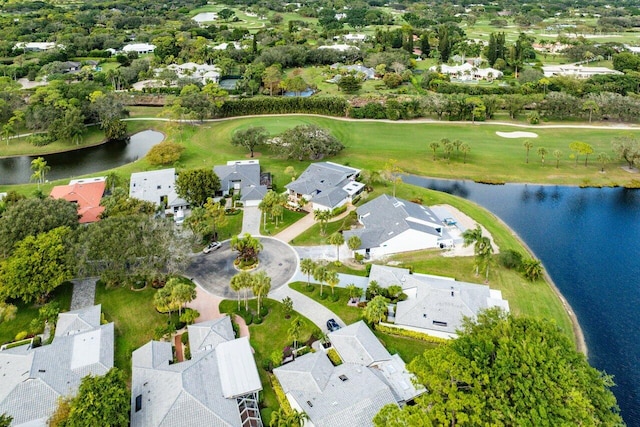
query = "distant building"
{"x": 219, "y": 386}
{"x": 37, "y": 46}
{"x": 34, "y": 379}
{"x": 139, "y": 48}
{"x": 435, "y": 305}
{"x": 467, "y": 71}
{"x": 326, "y": 185}
{"x": 367, "y": 72}
{"x": 577, "y": 71}
{"x": 202, "y": 73}
{"x": 354, "y": 38}
{"x": 157, "y": 187}
{"x": 86, "y": 194}
{"x": 224, "y": 46}
{"x": 340, "y": 47}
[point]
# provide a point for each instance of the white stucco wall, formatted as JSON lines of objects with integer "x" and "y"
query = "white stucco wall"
{"x": 410, "y": 240}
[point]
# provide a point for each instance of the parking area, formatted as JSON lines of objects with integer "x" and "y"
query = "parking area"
{"x": 213, "y": 271}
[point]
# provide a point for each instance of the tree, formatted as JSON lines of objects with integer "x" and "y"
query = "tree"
{"x": 287, "y": 307}
{"x": 101, "y": 401}
{"x": 294, "y": 84}
{"x": 354, "y": 243}
{"x": 532, "y": 269}
{"x": 182, "y": 293}
{"x": 40, "y": 169}
{"x": 376, "y": 309}
{"x": 542, "y": 152}
{"x": 261, "y": 286}
{"x": 226, "y": 14}
{"x": 558, "y": 155}
{"x": 197, "y": 185}
{"x": 530, "y": 361}
{"x": 110, "y": 111}
{"x": 434, "y": 147}
{"x": 391, "y": 173}
{"x": 250, "y": 138}
{"x": 320, "y": 274}
{"x": 165, "y": 153}
{"x": 628, "y": 149}
{"x": 307, "y": 141}
{"x": 466, "y": 149}
{"x": 215, "y": 216}
{"x": 308, "y": 267}
{"x": 603, "y": 158}
{"x": 336, "y": 239}
{"x": 272, "y": 77}
{"x": 281, "y": 418}
{"x": 242, "y": 281}
{"x": 354, "y": 292}
{"x": 294, "y": 331}
{"x": 350, "y": 84}
{"x": 332, "y": 279}
{"x": 322, "y": 216}
{"x": 189, "y": 316}
{"x": 30, "y": 217}
{"x": 38, "y": 265}
{"x": 248, "y": 248}
{"x": 528, "y": 145}
{"x": 591, "y": 106}
{"x": 483, "y": 255}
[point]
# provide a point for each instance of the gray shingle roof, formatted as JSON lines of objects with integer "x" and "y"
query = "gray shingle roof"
{"x": 33, "y": 379}
{"x": 210, "y": 333}
{"x": 324, "y": 181}
{"x": 246, "y": 175}
{"x": 357, "y": 344}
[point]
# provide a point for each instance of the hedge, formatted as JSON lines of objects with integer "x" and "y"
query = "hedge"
{"x": 282, "y": 398}
{"x": 334, "y": 357}
{"x": 410, "y": 334}
{"x": 330, "y": 106}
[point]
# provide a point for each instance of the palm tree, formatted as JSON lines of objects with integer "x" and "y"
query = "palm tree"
{"x": 558, "y": 155}
{"x": 242, "y": 281}
{"x": 332, "y": 279}
{"x": 294, "y": 331}
{"x": 391, "y": 172}
{"x": 261, "y": 286}
{"x": 337, "y": 239}
{"x": 181, "y": 294}
{"x": 434, "y": 146}
{"x": 532, "y": 269}
{"x": 376, "y": 309}
{"x": 484, "y": 252}
{"x": 528, "y": 145}
{"x": 542, "y": 152}
{"x": 308, "y": 266}
{"x": 448, "y": 149}
{"x": 247, "y": 246}
{"x": 354, "y": 243}
{"x": 322, "y": 216}
{"x": 472, "y": 235}
{"x": 354, "y": 291}
{"x": 320, "y": 274}
{"x": 40, "y": 169}
{"x": 603, "y": 158}
{"x": 465, "y": 148}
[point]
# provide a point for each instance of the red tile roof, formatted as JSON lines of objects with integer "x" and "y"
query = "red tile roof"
{"x": 87, "y": 196}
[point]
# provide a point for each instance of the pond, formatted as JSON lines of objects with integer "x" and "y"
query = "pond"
{"x": 587, "y": 239}
{"x": 17, "y": 170}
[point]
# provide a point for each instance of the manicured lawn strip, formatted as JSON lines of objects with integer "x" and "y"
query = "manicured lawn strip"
{"x": 347, "y": 313}
{"x": 288, "y": 217}
{"x": 233, "y": 227}
{"x": 27, "y": 312}
{"x": 407, "y": 348}
{"x": 135, "y": 320}
{"x": 345, "y": 269}
{"x": 313, "y": 237}
{"x": 269, "y": 336}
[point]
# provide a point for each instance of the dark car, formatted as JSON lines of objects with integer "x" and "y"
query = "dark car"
{"x": 211, "y": 247}
{"x": 332, "y": 325}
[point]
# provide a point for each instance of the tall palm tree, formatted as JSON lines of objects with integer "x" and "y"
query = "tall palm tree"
{"x": 528, "y": 145}
{"x": 308, "y": 266}
{"x": 465, "y": 148}
{"x": 320, "y": 274}
{"x": 261, "y": 286}
{"x": 40, "y": 169}
{"x": 542, "y": 152}
{"x": 472, "y": 235}
{"x": 354, "y": 243}
{"x": 558, "y": 155}
{"x": 337, "y": 239}
{"x": 247, "y": 246}
{"x": 294, "y": 331}
{"x": 434, "y": 147}
{"x": 484, "y": 255}
{"x": 332, "y": 279}
{"x": 242, "y": 281}
{"x": 322, "y": 216}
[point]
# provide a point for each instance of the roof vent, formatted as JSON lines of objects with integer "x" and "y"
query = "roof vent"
{"x": 343, "y": 378}
{"x": 309, "y": 403}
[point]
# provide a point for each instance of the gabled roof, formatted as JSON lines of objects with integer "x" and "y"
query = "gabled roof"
{"x": 207, "y": 335}
{"x": 153, "y": 185}
{"x": 86, "y": 195}
{"x": 386, "y": 217}
{"x": 357, "y": 344}
{"x": 324, "y": 182}
{"x": 244, "y": 172}
{"x": 34, "y": 378}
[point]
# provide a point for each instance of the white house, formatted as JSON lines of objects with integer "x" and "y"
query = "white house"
{"x": 391, "y": 225}
{"x": 577, "y": 71}
{"x": 224, "y": 46}
{"x": 219, "y": 386}
{"x": 350, "y": 394}
{"x": 354, "y": 38}
{"x": 326, "y": 185}
{"x": 139, "y": 48}
{"x": 203, "y": 73}
{"x": 157, "y": 187}
{"x": 435, "y": 305}
{"x": 339, "y": 47}
{"x": 467, "y": 71}
{"x": 243, "y": 176}
{"x": 37, "y": 46}
{"x": 34, "y": 379}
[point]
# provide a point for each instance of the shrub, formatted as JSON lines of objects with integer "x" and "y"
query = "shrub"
{"x": 257, "y": 320}
{"x": 410, "y": 334}
{"x": 324, "y": 296}
{"x": 21, "y": 335}
{"x": 282, "y": 398}
{"x": 164, "y": 153}
{"x": 510, "y": 259}
{"x": 40, "y": 140}
{"x": 339, "y": 210}
{"x": 185, "y": 338}
{"x": 187, "y": 353}
{"x": 303, "y": 350}
{"x": 334, "y": 357}
{"x": 335, "y": 297}
{"x": 264, "y": 310}
{"x": 37, "y": 341}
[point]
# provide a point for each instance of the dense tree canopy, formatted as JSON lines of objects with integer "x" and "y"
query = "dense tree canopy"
{"x": 197, "y": 185}
{"x": 307, "y": 141}
{"x": 504, "y": 370}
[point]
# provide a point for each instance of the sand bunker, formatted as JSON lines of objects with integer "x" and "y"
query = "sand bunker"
{"x": 517, "y": 134}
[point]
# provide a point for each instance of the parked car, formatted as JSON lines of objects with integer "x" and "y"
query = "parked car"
{"x": 211, "y": 247}
{"x": 332, "y": 325}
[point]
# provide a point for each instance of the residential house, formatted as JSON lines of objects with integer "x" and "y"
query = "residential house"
{"x": 367, "y": 72}
{"x": 391, "y": 225}
{"x": 577, "y": 71}
{"x": 203, "y": 73}
{"x": 37, "y": 46}
{"x": 218, "y": 387}
{"x": 139, "y": 48}
{"x": 35, "y": 378}
{"x": 339, "y": 47}
{"x": 157, "y": 187}
{"x": 326, "y": 185}
{"x": 467, "y": 72}
{"x": 354, "y": 38}
{"x": 350, "y": 394}
{"x": 435, "y": 305}
{"x": 225, "y": 46}
{"x": 244, "y": 176}
{"x": 86, "y": 194}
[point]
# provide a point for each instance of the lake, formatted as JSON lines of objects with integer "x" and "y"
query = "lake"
{"x": 589, "y": 242}
{"x": 17, "y": 170}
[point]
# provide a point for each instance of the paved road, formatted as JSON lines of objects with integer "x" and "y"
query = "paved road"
{"x": 214, "y": 271}
{"x": 251, "y": 220}
{"x": 325, "y": 252}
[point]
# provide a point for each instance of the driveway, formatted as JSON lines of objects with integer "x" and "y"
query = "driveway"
{"x": 325, "y": 252}
{"x": 213, "y": 271}
{"x": 251, "y": 220}
{"x": 314, "y": 311}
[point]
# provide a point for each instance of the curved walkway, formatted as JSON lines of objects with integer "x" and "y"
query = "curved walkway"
{"x": 312, "y": 310}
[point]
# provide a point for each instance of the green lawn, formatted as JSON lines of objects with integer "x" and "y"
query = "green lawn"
{"x": 313, "y": 236}
{"x": 269, "y": 336}
{"x": 27, "y": 312}
{"x": 288, "y": 218}
{"x": 407, "y": 348}
{"x": 233, "y": 227}
{"x": 135, "y": 320}
{"x": 348, "y": 314}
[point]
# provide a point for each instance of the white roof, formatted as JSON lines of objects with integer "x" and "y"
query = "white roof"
{"x": 138, "y": 47}
{"x": 238, "y": 373}
{"x": 37, "y": 45}
{"x": 340, "y": 47}
{"x": 153, "y": 185}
